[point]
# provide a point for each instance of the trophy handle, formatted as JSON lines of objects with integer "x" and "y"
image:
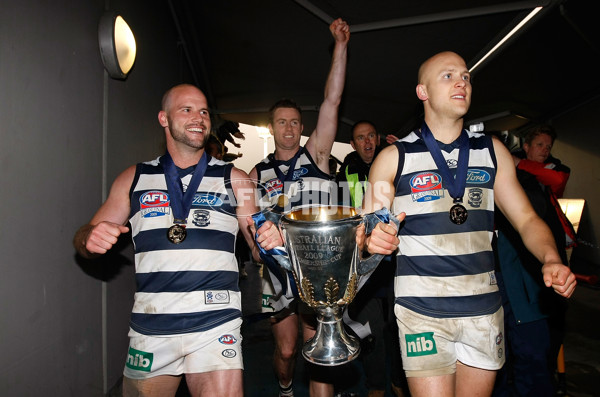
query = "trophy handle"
{"x": 371, "y": 220}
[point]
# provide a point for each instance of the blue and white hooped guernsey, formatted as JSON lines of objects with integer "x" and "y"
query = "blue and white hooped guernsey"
{"x": 191, "y": 286}
{"x": 445, "y": 270}
{"x": 309, "y": 185}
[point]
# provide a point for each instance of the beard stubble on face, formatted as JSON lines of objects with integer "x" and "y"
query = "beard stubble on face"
{"x": 182, "y": 136}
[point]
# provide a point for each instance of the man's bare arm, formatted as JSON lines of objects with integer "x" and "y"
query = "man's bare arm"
{"x": 245, "y": 196}
{"x": 105, "y": 227}
{"x": 380, "y": 193}
{"x": 321, "y": 140}
{"x": 537, "y": 237}
{"x": 245, "y": 192}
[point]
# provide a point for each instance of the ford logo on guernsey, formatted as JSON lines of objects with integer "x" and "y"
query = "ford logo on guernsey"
{"x": 154, "y": 203}
{"x": 478, "y": 176}
{"x": 426, "y": 186}
{"x": 227, "y": 339}
{"x": 207, "y": 200}
{"x": 299, "y": 172}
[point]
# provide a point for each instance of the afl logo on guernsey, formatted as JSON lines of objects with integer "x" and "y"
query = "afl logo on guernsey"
{"x": 154, "y": 203}
{"x": 274, "y": 187}
{"x": 426, "y": 186}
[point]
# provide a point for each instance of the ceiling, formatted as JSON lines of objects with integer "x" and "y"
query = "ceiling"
{"x": 245, "y": 55}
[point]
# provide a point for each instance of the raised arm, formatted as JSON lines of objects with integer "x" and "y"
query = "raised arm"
{"x": 321, "y": 140}
{"x": 105, "y": 227}
{"x": 537, "y": 237}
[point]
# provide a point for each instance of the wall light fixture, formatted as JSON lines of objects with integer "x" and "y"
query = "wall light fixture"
{"x": 117, "y": 45}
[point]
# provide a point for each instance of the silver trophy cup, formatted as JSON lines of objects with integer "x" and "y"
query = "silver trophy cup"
{"x": 324, "y": 259}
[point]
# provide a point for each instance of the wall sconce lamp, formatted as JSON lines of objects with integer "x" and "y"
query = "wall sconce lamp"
{"x": 117, "y": 45}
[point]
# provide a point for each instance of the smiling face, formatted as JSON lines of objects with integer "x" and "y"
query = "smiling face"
{"x": 286, "y": 128}
{"x": 539, "y": 148}
{"x": 364, "y": 140}
{"x": 185, "y": 117}
{"x": 445, "y": 85}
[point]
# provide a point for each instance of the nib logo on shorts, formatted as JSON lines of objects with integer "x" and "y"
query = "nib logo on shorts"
{"x": 139, "y": 360}
{"x": 265, "y": 302}
{"x": 420, "y": 344}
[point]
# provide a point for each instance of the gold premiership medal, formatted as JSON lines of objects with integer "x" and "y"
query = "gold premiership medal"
{"x": 176, "y": 234}
{"x": 458, "y": 214}
{"x": 283, "y": 200}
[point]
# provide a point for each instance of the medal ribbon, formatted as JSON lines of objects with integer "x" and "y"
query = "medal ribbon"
{"x": 455, "y": 186}
{"x": 290, "y": 173}
{"x": 181, "y": 202}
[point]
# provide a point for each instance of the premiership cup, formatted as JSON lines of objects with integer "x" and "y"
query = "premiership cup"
{"x": 324, "y": 259}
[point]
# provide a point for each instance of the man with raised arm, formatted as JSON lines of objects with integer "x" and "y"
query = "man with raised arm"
{"x": 294, "y": 175}
{"x": 445, "y": 180}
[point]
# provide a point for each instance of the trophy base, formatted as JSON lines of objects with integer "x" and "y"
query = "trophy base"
{"x": 331, "y": 345}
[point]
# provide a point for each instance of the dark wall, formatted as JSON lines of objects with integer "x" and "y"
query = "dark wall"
{"x": 66, "y": 131}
